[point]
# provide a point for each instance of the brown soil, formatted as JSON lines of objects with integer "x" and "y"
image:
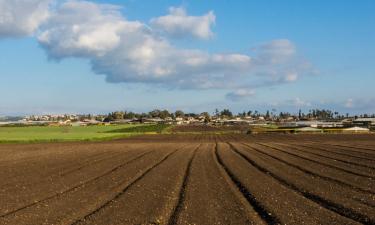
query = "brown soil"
{"x": 191, "y": 179}
{"x": 210, "y": 128}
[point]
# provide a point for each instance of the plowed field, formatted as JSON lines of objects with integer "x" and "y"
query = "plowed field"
{"x": 191, "y": 179}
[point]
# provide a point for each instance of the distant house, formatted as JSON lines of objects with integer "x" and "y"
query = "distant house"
{"x": 348, "y": 122}
{"x": 308, "y": 123}
{"x": 179, "y": 120}
{"x": 319, "y": 124}
{"x": 79, "y": 124}
{"x": 364, "y": 122}
{"x": 191, "y": 120}
{"x": 330, "y": 125}
{"x": 236, "y": 121}
{"x": 86, "y": 122}
{"x": 123, "y": 121}
{"x": 152, "y": 120}
{"x": 168, "y": 120}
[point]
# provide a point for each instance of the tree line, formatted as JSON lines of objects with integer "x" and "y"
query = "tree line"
{"x": 320, "y": 114}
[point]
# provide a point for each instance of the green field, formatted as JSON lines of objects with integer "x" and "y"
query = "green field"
{"x": 68, "y": 133}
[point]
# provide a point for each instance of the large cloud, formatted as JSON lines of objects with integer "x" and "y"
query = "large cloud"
{"x": 132, "y": 52}
{"x": 22, "y": 17}
{"x": 179, "y": 24}
{"x": 85, "y": 29}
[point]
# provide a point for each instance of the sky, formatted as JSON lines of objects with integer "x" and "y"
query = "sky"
{"x": 75, "y": 56}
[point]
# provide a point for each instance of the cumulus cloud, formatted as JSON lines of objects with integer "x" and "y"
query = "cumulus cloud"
{"x": 178, "y": 24}
{"x": 129, "y": 51}
{"x": 133, "y": 52}
{"x": 22, "y": 17}
{"x": 85, "y": 29}
{"x": 240, "y": 94}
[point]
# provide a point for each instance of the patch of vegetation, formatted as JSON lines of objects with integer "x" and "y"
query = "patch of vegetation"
{"x": 153, "y": 128}
{"x": 63, "y": 133}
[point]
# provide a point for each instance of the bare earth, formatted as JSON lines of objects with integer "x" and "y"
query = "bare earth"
{"x": 191, "y": 179}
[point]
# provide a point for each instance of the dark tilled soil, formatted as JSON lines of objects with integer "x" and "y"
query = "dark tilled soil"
{"x": 191, "y": 179}
{"x": 210, "y": 128}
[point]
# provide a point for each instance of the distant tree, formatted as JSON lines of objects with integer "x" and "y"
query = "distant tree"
{"x": 207, "y": 117}
{"x": 164, "y": 114}
{"x": 129, "y": 115}
{"x": 217, "y": 112}
{"x": 268, "y": 114}
{"x": 226, "y": 113}
{"x": 336, "y": 114}
{"x": 205, "y": 114}
{"x": 179, "y": 113}
{"x": 118, "y": 115}
{"x": 154, "y": 113}
{"x": 191, "y": 115}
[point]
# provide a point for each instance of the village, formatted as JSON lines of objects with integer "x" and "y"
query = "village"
{"x": 315, "y": 121}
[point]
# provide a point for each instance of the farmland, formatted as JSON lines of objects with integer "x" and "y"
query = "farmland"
{"x": 191, "y": 179}
{"x": 69, "y": 133}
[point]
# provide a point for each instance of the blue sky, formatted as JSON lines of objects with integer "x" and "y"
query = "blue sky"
{"x": 39, "y": 74}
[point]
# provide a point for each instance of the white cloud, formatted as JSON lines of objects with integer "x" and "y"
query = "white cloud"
{"x": 240, "y": 94}
{"x": 178, "y": 24}
{"x": 81, "y": 28}
{"x": 128, "y": 51}
{"x": 132, "y": 52}
{"x": 22, "y": 17}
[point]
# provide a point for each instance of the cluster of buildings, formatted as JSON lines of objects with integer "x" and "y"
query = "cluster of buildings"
{"x": 346, "y": 125}
{"x": 350, "y": 124}
{"x": 51, "y": 118}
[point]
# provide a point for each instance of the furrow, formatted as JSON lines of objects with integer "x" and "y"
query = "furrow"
{"x": 334, "y": 151}
{"x": 319, "y": 162}
{"x": 67, "y": 172}
{"x": 337, "y": 208}
{"x": 312, "y": 173}
{"x": 75, "y": 187}
{"x": 258, "y": 207}
{"x": 329, "y": 157}
{"x": 174, "y": 216}
{"x": 354, "y": 147}
{"x": 130, "y": 184}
